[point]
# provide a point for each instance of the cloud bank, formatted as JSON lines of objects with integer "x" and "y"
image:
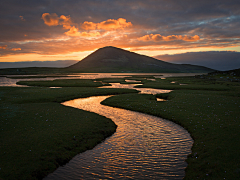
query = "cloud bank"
{"x": 224, "y": 60}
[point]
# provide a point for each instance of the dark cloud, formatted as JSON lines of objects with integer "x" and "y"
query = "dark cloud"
{"x": 223, "y": 60}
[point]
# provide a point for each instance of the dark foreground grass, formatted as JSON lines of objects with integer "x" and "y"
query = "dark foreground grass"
{"x": 38, "y": 134}
{"x": 210, "y": 114}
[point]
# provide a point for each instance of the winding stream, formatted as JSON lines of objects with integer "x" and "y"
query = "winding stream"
{"x": 143, "y": 147}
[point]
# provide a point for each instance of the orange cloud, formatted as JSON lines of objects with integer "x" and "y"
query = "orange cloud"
{"x": 158, "y": 37}
{"x": 90, "y": 34}
{"x": 110, "y": 24}
{"x": 22, "y": 19}
{"x": 13, "y": 49}
{"x": 75, "y": 33}
{"x": 16, "y": 49}
{"x": 193, "y": 38}
{"x": 145, "y": 38}
{"x": 54, "y": 20}
{"x": 3, "y": 47}
{"x": 66, "y": 21}
{"x": 114, "y": 24}
{"x": 50, "y": 19}
{"x": 89, "y": 25}
{"x": 172, "y": 37}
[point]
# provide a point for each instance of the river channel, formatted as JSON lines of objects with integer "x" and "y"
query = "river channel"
{"x": 143, "y": 147}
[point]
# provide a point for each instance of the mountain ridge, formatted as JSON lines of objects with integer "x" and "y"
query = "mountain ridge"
{"x": 112, "y": 59}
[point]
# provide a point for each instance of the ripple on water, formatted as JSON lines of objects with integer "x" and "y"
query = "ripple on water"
{"x": 143, "y": 147}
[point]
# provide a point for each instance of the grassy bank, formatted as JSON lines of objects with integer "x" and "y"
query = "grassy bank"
{"x": 209, "y": 110}
{"x": 63, "y": 83}
{"x": 38, "y": 134}
{"x": 41, "y": 76}
{"x": 189, "y": 83}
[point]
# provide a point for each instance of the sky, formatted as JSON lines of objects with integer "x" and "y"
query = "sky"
{"x": 50, "y": 30}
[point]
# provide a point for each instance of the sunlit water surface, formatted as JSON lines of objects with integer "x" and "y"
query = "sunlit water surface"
{"x": 132, "y": 86}
{"x": 143, "y": 147}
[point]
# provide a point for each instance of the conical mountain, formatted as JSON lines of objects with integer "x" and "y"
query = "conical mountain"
{"x": 116, "y": 60}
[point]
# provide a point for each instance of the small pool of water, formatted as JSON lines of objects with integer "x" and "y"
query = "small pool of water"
{"x": 159, "y": 99}
{"x": 133, "y": 81}
{"x": 54, "y": 87}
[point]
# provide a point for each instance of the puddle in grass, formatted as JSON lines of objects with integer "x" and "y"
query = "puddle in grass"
{"x": 159, "y": 99}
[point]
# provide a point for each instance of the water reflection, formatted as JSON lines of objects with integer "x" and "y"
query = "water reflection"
{"x": 143, "y": 147}
{"x": 142, "y": 90}
{"x": 128, "y": 80}
{"x": 159, "y": 99}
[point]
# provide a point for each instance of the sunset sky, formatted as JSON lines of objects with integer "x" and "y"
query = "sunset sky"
{"x": 40, "y": 30}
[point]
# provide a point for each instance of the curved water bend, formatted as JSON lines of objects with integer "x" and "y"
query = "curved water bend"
{"x": 143, "y": 147}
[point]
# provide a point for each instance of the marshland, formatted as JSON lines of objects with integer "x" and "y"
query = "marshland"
{"x": 38, "y": 134}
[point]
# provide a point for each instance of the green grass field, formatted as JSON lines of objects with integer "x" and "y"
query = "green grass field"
{"x": 209, "y": 110}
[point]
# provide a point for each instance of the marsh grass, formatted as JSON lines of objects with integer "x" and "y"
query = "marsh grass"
{"x": 209, "y": 110}
{"x": 38, "y": 134}
{"x": 144, "y": 76}
{"x": 41, "y": 76}
{"x": 191, "y": 83}
{"x": 111, "y": 80}
{"x": 121, "y": 80}
{"x": 63, "y": 83}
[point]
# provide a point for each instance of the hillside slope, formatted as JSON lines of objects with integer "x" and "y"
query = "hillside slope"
{"x": 112, "y": 59}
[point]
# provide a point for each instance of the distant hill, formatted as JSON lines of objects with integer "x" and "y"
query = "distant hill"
{"x": 112, "y": 59}
{"x": 25, "y": 64}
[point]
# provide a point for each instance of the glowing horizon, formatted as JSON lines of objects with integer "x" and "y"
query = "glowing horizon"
{"x": 81, "y": 55}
